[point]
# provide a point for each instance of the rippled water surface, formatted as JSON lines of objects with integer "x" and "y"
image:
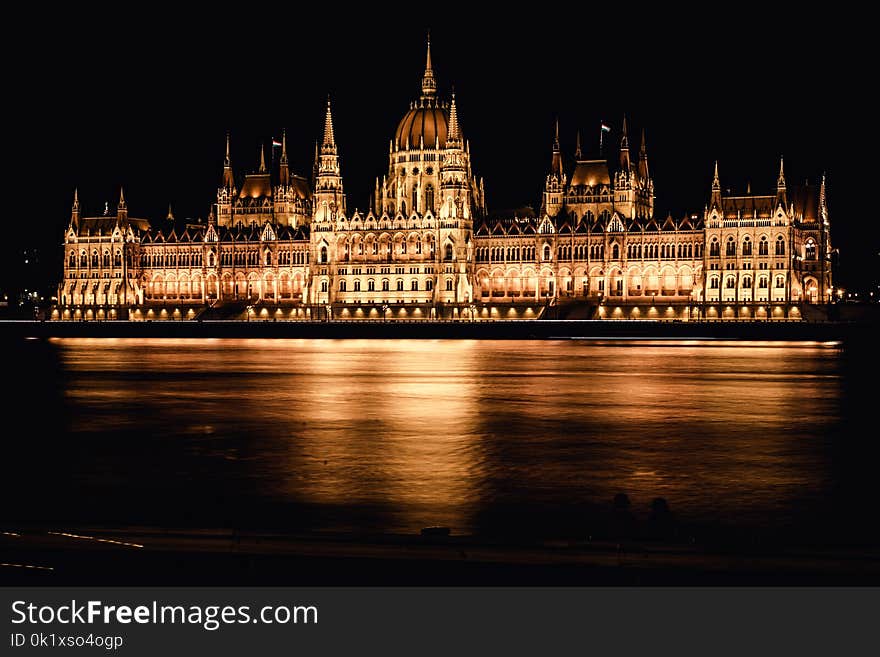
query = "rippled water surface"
{"x": 482, "y": 436}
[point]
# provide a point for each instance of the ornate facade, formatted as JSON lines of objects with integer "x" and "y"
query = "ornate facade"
{"x": 279, "y": 246}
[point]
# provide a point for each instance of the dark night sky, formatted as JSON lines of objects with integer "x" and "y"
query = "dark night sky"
{"x": 145, "y": 100}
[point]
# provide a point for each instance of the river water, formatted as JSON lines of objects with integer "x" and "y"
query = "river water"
{"x": 485, "y": 437}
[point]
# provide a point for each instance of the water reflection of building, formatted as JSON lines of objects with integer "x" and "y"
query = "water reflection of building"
{"x": 276, "y": 246}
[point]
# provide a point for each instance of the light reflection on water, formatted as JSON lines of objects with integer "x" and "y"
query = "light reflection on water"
{"x": 397, "y": 435}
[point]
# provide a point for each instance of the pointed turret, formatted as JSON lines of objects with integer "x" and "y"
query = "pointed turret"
{"x": 715, "y": 201}
{"x": 577, "y": 148}
{"x": 643, "y": 158}
{"x": 122, "y": 208}
{"x": 429, "y": 85}
{"x": 74, "y": 210}
{"x": 170, "y": 215}
{"x": 284, "y": 171}
{"x": 262, "y": 158}
{"x": 228, "y": 180}
{"x": 328, "y": 146}
{"x": 556, "y": 164}
{"x": 624, "y": 148}
{"x": 781, "y": 196}
{"x": 329, "y": 197}
{"x": 453, "y": 140}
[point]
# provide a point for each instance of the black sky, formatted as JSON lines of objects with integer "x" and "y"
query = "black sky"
{"x": 144, "y": 100}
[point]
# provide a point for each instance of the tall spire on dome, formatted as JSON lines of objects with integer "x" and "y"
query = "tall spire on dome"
{"x": 228, "y": 179}
{"x": 329, "y": 143}
{"x": 454, "y": 127}
{"x": 262, "y": 158}
{"x": 429, "y": 85}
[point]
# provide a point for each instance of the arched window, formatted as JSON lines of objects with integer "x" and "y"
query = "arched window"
{"x": 731, "y": 246}
{"x": 385, "y": 285}
{"x": 94, "y": 258}
{"x": 415, "y": 199}
{"x": 449, "y": 285}
{"x": 747, "y": 282}
{"x": 713, "y": 283}
{"x": 780, "y": 246}
{"x": 810, "y": 250}
{"x": 71, "y": 260}
{"x": 448, "y": 252}
{"x": 414, "y": 285}
{"x": 747, "y": 247}
{"x": 615, "y": 252}
{"x": 342, "y": 286}
{"x": 730, "y": 283}
{"x": 324, "y": 255}
{"x": 375, "y": 248}
{"x": 357, "y": 285}
{"x": 419, "y": 246}
{"x": 371, "y": 285}
{"x": 429, "y": 199}
{"x": 780, "y": 281}
{"x": 429, "y": 285}
{"x": 117, "y": 259}
{"x": 714, "y": 248}
{"x": 400, "y": 285}
{"x": 546, "y": 252}
{"x": 403, "y": 246}
{"x": 762, "y": 246}
{"x": 762, "y": 282}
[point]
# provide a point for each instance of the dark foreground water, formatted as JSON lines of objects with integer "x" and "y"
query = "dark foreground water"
{"x": 769, "y": 440}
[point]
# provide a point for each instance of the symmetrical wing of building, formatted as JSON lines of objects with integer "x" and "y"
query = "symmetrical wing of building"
{"x": 278, "y": 245}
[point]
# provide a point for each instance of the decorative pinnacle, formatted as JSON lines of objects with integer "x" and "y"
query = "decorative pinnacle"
{"x": 643, "y": 149}
{"x": 781, "y": 181}
{"x": 227, "y": 162}
{"x": 454, "y": 128}
{"x": 716, "y": 184}
{"x": 624, "y": 139}
{"x": 284, "y": 146}
{"x": 76, "y": 198}
{"x": 329, "y": 137}
{"x": 262, "y": 158}
{"x": 121, "y": 197}
{"x": 556, "y": 136}
{"x": 429, "y": 85}
{"x": 577, "y": 149}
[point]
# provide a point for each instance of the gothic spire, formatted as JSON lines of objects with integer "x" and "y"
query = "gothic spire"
{"x": 74, "y": 210}
{"x": 228, "y": 179}
{"x": 121, "y": 205}
{"x": 454, "y": 127}
{"x": 262, "y": 158}
{"x": 284, "y": 170}
{"x": 577, "y": 149}
{"x": 716, "y": 183}
{"x": 76, "y": 199}
{"x": 716, "y": 189}
{"x": 170, "y": 216}
{"x": 556, "y": 165}
{"x": 780, "y": 183}
{"x": 624, "y": 148}
{"x": 429, "y": 85}
{"x": 329, "y": 144}
{"x": 643, "y": 158}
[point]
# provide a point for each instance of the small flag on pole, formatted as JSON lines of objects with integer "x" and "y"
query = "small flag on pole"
{"x": 606, "y": 128}
{"x": 275, "y": 143}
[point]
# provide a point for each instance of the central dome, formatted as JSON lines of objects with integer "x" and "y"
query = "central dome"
{"x": 428, "y": 123}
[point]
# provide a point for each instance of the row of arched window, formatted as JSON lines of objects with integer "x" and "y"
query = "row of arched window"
{"x": 746, "y": 282}
{"x": 730, "y": 248}
{"x": 386, "y": 285}
{"x": 158, "y": 259}
{"x": 96, "y": 260}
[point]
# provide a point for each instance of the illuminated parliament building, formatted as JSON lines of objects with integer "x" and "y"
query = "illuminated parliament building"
{"x": 280, "y": 246}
